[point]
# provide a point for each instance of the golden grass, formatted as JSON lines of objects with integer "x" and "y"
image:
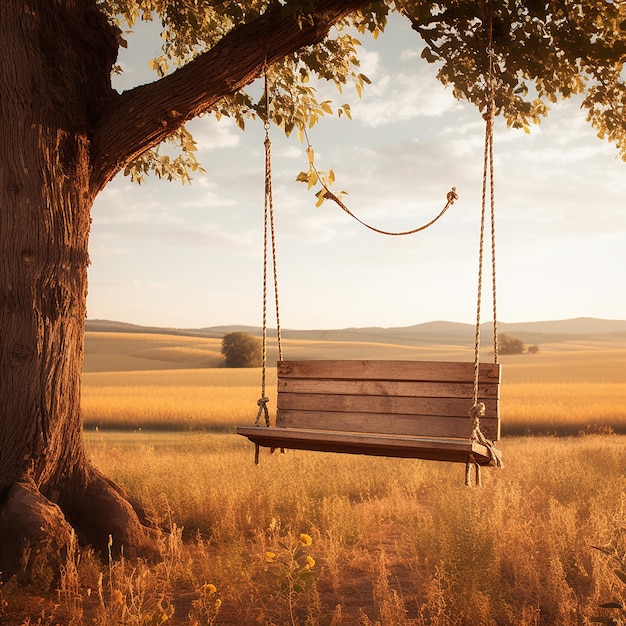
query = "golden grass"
{"x": 106, "y": 351}
{"x": 563, "y": 391}
{"x": 563, "y": 408}
{"x": 395, "y": 541}
{"x": 215, "y": 399}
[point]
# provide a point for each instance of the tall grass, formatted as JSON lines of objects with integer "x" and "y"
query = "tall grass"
{"x": 395, "y": 541}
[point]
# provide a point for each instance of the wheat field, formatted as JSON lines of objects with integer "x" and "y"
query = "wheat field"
{"x": 565, "y": 391}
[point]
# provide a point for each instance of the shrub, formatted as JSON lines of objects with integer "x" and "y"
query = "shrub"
{"x": 511, "y": 345}
{"x": 242, "y": 350}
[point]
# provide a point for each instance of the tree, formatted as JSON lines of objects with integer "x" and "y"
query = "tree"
{"x": 242, "y": 350}
{"x": 66, "y": 133}
{"x": 508, "y": 344}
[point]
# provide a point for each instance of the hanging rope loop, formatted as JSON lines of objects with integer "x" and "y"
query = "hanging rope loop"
{"x": 451, "y": 196}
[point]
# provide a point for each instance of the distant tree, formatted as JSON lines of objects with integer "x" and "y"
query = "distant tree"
{"x": 242, "y": 350}
{"x": 511, "y": 345}
{"x": 533, "y": 349}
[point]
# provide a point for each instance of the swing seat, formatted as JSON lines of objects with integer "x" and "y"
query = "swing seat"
{"x": 409, "y": 409}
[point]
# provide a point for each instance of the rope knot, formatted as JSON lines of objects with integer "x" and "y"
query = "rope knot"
{"x": 475, "y": 413}
{"x": 263, "y": 412}
{"x": 478, "y": 410}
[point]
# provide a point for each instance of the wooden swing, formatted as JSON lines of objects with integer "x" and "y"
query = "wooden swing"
{"x": 442, "y": 411}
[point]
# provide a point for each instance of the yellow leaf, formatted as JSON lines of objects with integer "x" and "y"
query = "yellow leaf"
{"x": 311, "y": 154}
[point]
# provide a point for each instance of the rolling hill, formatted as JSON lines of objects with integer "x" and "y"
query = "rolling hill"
{"x": 436, "y": 332}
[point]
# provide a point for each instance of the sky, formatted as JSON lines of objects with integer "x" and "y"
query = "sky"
{"x": 191, "y": 256}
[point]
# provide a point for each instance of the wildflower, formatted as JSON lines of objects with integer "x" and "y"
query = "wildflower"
{"x": 305, "y": 539}
{"x": 209, "y": 588}
{"x": 116, "y": 596}
{"x": 270, "y": 556}
{"x": 218, "y": 604}
{"x": 310, "y": 562}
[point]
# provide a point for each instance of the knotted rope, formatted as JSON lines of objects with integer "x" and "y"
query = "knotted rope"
{"x": 478, "y": 408}
{"x": 269, "y": 240}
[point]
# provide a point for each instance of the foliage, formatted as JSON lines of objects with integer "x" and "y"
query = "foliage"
{"x": 242, "y": 350}
{"x": 508, "y": 344}
{"x": 205, "y": 608}
{"x": 543, "y": 51}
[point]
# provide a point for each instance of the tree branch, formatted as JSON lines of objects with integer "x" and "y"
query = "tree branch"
{"x": 144, "y": 116}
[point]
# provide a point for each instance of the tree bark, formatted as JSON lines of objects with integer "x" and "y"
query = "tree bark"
{"x": 64, "y": 133}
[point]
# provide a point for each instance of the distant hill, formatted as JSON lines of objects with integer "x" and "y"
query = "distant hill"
{"x": 436, "y": 332}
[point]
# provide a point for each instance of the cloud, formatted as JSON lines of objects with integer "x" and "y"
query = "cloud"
{"x": 408, "y": 95}
{"x": 211, "y": 134}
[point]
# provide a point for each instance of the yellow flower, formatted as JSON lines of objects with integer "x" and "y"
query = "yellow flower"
{"x": 209, "y": 588}
{"x": 270, "y": 556}
{"x": 305, "y": 539}
{"x": 310, "y": 562}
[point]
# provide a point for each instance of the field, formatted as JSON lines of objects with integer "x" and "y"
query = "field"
{"x": 392, "y": 541}
{"x": 566, "y": 389}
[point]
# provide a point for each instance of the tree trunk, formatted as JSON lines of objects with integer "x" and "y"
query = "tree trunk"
{"x": 49, "y": 79}
{"x": 64, "y": 133}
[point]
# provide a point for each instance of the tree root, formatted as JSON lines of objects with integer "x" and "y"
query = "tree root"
{"x": 31, "y": 528}
{"x": 89, "y": 505}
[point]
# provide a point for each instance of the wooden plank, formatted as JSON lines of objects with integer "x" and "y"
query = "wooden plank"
{"x": 433, "y": 389}
{"x": 410, "y": 425}
{"x": 389, "y": 370}
{"x": 454, "y": 407}
{"x": 430, "y": 448}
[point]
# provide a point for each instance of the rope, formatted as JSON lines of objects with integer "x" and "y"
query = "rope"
{"x": 268, "y": 227}
{"x": 478, "y": 408}
{"x": 451, "y": 196}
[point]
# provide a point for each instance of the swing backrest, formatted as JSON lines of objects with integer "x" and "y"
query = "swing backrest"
{"x": 411, "y": 398}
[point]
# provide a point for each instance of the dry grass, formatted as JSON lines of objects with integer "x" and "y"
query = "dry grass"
{"x": 395, "y": 542}
{"x": 214, "y": 399}
{"x": 564, "y": 391}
